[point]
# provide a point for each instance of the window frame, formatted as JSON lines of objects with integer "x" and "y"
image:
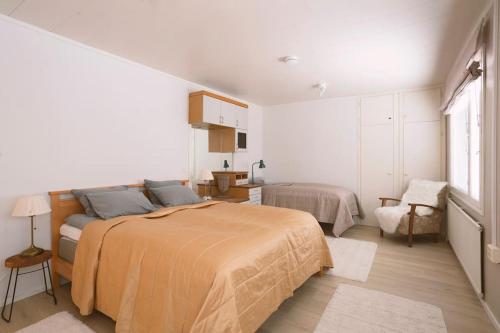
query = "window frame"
{"x": 466, "y": 198}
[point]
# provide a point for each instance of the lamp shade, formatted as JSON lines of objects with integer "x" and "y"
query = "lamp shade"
{"x": 261, "y": 164}
{"x": 30, "y": 206}
{"x": 206, "y": 174}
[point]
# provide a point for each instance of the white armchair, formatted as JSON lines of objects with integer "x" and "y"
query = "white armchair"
{"x": 420, "y": 210}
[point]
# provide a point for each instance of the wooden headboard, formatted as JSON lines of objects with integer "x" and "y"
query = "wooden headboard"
{"x": 64, "y": 204}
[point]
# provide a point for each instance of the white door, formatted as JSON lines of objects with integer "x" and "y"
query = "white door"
{"x": 376, "y": 154}
{"x": 422, "y": 151}
{"x": 211, "y": 110}
{"x": 422, "y": 141}
{"x": 242, "y": 117}
{"x": 228, "y": 114}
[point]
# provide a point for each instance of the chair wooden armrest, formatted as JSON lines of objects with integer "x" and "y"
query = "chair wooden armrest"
{"x": 415, "y": 205}
{"x": 384, "y": 200}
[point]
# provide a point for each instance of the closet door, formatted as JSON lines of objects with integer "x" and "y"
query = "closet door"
{"x": 422, "y": 137}
{"x": 376, "y": 153}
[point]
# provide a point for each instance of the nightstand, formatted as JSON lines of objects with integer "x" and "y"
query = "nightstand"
{"x": 18, "y": 261}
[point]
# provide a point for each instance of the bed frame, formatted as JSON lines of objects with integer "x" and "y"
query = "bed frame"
{"x": 63, "y": 204}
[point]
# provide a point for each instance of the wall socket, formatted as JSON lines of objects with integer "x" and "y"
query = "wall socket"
{"x": 493, "y": 253}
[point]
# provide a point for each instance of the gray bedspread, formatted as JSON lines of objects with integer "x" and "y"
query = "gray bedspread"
{"x": 327, "y": 203}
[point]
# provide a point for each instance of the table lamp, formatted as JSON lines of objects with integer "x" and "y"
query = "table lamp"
{"x": 31, "y": 206}
{"x": 261, "y": 166}
{"x": 206, "y": 175}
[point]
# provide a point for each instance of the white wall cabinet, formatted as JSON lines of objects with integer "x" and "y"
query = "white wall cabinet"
{"x": 207, "y": 109}
{"x": 241, "y": 117}
{"x": 211, "y": 110}
{"x": 217, "y": 112}
{"x": 400, "y": 139}
{"x": 228, "y": 114}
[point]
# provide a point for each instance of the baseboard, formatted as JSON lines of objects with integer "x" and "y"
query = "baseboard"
{"x": 368, "y": 224}
{"x": 490, "y": 314}
{"x": 20, "y": 295}
{"x": 22, "y": 291}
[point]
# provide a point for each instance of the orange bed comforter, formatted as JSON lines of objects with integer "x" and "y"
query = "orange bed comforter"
{"x": 209, "y": 267}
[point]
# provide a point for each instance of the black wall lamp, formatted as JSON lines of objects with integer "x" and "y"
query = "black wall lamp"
{"x": 261, "y": 166}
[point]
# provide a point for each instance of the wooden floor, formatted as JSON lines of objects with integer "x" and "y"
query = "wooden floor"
{"x": 428, "y": 272}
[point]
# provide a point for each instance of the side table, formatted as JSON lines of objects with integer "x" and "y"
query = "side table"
{"x": 16, "y": 262}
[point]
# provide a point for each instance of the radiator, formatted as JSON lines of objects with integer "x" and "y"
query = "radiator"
{"x": 465, "y": 236}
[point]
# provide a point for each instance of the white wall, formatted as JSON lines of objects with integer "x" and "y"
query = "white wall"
{"x": 314, "y": 141}
{"x": 72, "y": 116}
{"x": 319, "y": 141}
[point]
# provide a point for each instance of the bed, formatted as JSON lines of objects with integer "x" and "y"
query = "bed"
{"x": 206, "y": 267}
{"x": 327, "y": 203}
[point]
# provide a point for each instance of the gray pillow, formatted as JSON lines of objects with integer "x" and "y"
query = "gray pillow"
{"x": 79, "y": 220}
{"x": 176, "y": 195}
{"x": 112, "y": 204}
{"x": 150, "y": 184}
{"x": 81, "y": 195}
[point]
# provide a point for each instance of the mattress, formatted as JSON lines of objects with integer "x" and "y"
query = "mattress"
{"x": 67, "y": 249}
{"x": 68, "y": 242}
{"x": 70, "y": 232}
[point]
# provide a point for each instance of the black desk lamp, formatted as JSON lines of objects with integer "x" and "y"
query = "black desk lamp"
{"x": 261, "y": 166}
{"x": 226, "y": 165}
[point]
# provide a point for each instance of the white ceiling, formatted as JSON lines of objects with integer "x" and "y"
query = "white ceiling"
{"x": 356, "y": 46}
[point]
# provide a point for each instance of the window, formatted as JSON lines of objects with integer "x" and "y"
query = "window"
{"x": 465, "y": 134}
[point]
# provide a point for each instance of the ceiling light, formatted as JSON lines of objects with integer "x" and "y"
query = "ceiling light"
{"x": 290, "y": 60}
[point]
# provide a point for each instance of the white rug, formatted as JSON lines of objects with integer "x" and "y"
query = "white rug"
{"x": 354, "y": 309}
{"x": 352, "y": 258}
{"x": 61, "y": 322}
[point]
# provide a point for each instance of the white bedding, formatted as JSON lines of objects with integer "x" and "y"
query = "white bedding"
{"x": 70, "y": 232}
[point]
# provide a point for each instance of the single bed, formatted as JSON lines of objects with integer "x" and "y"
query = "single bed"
{"x": 207, "y": 267}
{"x": 327, "y": 203}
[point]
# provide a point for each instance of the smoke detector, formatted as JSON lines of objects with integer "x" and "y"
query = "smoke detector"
{"x": 321, "y": 86}
{"x": 290, "y": 60}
